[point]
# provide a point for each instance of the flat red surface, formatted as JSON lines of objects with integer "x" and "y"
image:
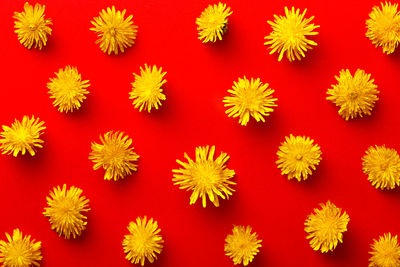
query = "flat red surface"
{"x": 198, "y": 76}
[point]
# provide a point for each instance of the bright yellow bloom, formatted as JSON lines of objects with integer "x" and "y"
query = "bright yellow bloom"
{"x": 31, "y": 26}
{"x": 65, "y": 211}
{"x": 242, "y": 245}
{"x": 289, "y": 34}
{"x": 143, "y": 241}
{"x": 205, "y": 176}
{"x": 383, "y": 27}
{"x": 114, "y": 31}
{"x": 146, "y": 89}
{"x": 213, "y": 22}
{"x": 20, "y": 251}
{"x": 249, "y": 98}
{"x": 22, "y": 136}
{"x": 356, "y": 96}
{"x": 386, "y": 252}
{"x": 298, "y": 157}
{"x": 115, "y": 155}
{"x": 67, "y": 89}
{"x": 382, "y": 165}
{"x": 326, "y": 226}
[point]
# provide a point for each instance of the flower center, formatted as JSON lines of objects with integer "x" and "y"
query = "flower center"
{"x": 32, "y": 27}
{"x": 299, "y": 156}
{"x": 353, "y": 95}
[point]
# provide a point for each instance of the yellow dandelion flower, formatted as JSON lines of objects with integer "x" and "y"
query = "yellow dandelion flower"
{"x": 115, "y": 155}
{"x": 298, "y": 157}
{"x": 290, "y": 34}
{"x": 22, "y": 136}
{"x": 114, "y": 31}
{"x": 143, "y": 241}
{"x": 205, "y": 176}
{"x": 249, "y": 98}
{"x": 242, "y": 245}
{"x": 65, "y": 211}
{"x": 31, "y": 26}
{"x": 383, "y": 27}
{"x": 20, "y": 250}
{"x": 213, "y": 22}
{"x": 385, "y": 252}
{"x": 382, "y": 165}
{"x": 67, "y": 89}
{"x": 146, "y": 89}
{"x": 356, "y": 96}
{"x": 326, "y": 226}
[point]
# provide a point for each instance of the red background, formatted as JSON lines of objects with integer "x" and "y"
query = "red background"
{"x": 198, "y": 77}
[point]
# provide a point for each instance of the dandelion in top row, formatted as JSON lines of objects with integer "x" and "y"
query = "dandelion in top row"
{"x": 289, "y": 37}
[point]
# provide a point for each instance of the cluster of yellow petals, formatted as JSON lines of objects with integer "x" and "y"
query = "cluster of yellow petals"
{"x": 115, "y": 155}
{"x": 20, "y": 250}
{"x": 290, "y": 34}
{"x": 213, "y": 22}
{"x": 205, "y": 176}
{"x": 249, "y": 98}
{"x": 326, "y": 226}
{"x": 143, "y": 241}
{"x": 115, "y": 32}
{"x": 385, "y": 252}
{"x": 32, "y": 27}
{"x": 242, "y": 245}
{"x": 66, "y": 208}
{"x": 22, "y": 136}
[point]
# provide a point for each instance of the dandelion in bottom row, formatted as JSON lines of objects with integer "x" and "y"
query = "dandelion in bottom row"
{"x": 385, "y": 252}
{"x": 20, "y": 250}
{"x": 325, "y": 227}
{"x": 298, "y": 157}
{"x": 143, "y": 241}
{"x": 22, "y": 136}
{"x": 66, "y": 208}
{"x": 249, "y": 98}
{"x": 382, "y": 165}
{"x": 242, "y": 245}
{"x": 205, "y": 176}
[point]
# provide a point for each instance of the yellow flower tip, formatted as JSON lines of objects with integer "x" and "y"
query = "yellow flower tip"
{"x": 143, "y": 241}
{"x": 249, "y": 98}
{"x": 213, "y": 22}
{"x": 383, "y": 27}
{"x": 20, "y": 250}
{"x": 355, "y": 95}
{"x": 242, "y": 245}
{"x": 205, "y": 176}
{"x": 298, "y": 157}
{"x": 385, "y": 252}
{"x": 22, "y": 136}
{"x": 326, "y": 226}
{"x": 67, "y": 89}
{"x": 146, "y": 89}
{"x": 115, "y": 155}
{"x": 115, "y": 32}
{"x": 382, "y": 165}
{"x": 290, "y": 34}
{"x": 65, "y": 211}
{"x": 31, "y": 26}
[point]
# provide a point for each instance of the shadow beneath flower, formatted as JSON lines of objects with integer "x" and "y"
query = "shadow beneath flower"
{"x": 344, "y": 251}
{"x": 86, "y": 110}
